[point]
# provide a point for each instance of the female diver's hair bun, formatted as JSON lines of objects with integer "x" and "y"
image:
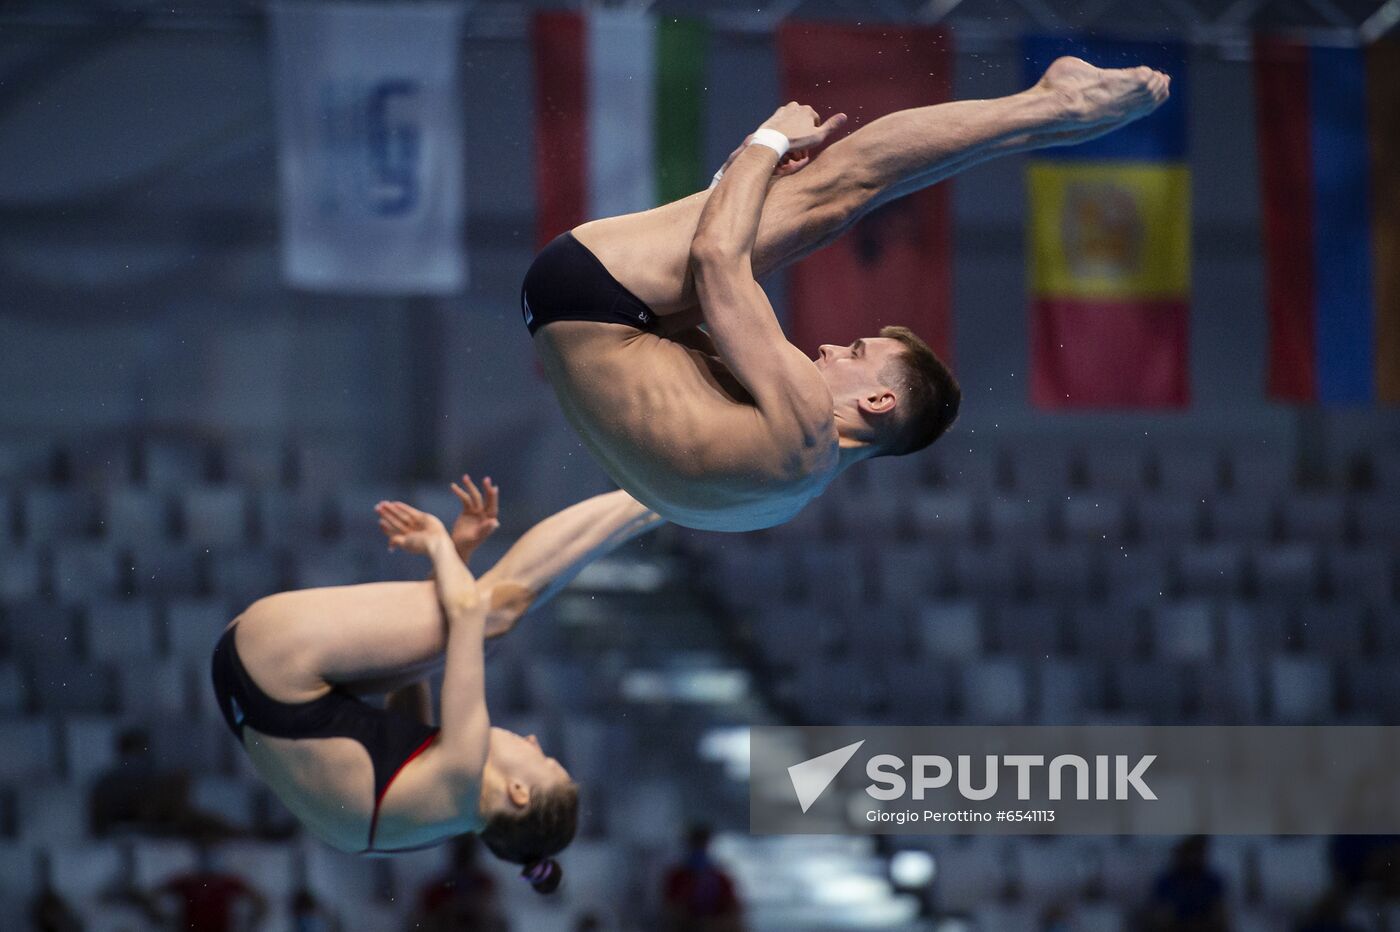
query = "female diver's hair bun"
{"x": 544, "y": 875}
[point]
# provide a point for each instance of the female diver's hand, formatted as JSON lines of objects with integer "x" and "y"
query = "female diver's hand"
{"x": 409, "y": 529}
{"x": 478, "y": 519}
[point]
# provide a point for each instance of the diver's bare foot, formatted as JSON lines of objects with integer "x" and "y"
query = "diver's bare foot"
{"x": 1093, "y": 101}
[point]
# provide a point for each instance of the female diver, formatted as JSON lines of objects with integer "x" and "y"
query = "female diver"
{"x": 289, "y": 670}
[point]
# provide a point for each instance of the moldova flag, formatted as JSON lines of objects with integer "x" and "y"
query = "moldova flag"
{"x": 619, "y": 106}
{"x": 1329, "y": 169}
{"x": 1109, "y": 247}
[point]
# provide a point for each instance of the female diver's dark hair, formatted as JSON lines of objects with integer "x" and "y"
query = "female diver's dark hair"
{"x": 530, "y": 837}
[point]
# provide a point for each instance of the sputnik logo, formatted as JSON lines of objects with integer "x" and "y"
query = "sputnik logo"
{"x": 811, "y": 777}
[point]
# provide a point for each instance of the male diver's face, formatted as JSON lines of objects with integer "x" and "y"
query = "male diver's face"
{"x": 526, "y": 758}
{"x": 852, "y": 372}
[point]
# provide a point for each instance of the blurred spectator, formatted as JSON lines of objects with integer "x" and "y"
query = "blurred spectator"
{"x": 463, "y": 899}
{"x": 135, "y": 795}
{"x": 309, "y": 914}
{"x": 1189, "y": 896}
{"x": 698, "y": 894}
{"x": 209, "y": 900}
{"x": 1329, "y": 914}
{"x": 50, "y": 912}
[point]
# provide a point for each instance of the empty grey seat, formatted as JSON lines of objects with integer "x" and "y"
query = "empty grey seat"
{"x": 133, "y": 515}
{"x": 1301, "y": 690}
{"x": 193, "y": 626}
{"x": 1018, "y": 520}
{"x": 334, "y": 565}
{"x": 1041, "y": 469}
{"x": 919, "y": 692}
{"x": 352, "y": 508}
{"x": 49, "y": 514}
{"x": 1097, "y": 518}
{"x": 962, "y": 465}
{"x": 81, "y": 870}
{"x": 1378, "y": 519}
{"x": 30, "y": 750}
{"x": 1318, "y": 517}
{"x": 1065, "y": 571}
{"x": 1370, "y": 687}
{"x": 831, "y": 574}
{"x": 89, "y": 745}
{"x": 1265, "y": 469}
{"x": 284, "y": 515}
{"x": 257, "y": 462}
{"x": 175, "y": 463}
{"x": 1195, "y": 472}
{"x": 1115, "y": 469}
{"x": 1137, "y": 574}
{"x": 215, "y": 516}
{"x": 13, "y": 698}
{"x": 39, "y": 630}
{"x": 1107, "y": 632}
{"x": 244, "y": 576}
{"x": 872, "y": 514}
{"x": 1257, "y": 631}
{"x": 945, "y": 514}
{"x": 746, "y": 575}
{"x": 27, "y": 460}
{"x": 1245, "y": 517}
{"x": 1365, "y": 574}
{"x": 1065, "y": 690}
{"x": 989, "y": 571}
{"x": 1386, "y": 630}
{"x": 1231, "y": 691}
{"x": 168, "y": 570}
{"x": 1034, "y": 630}
{"x": 993, "y": 691}
{"x": 910, "y": 574}
{"x": 23, "y": 574}
{"x": 51, "y": 813}
{"x": 1157, "y": 690}
{"x": 1336, "y": 630}
{"x": 121, "y": 631}
{"x": 1182, "y": 630}
{"x": 86, "y": 570}
{"x": 950, "y": 629}
{"x": 1211, "y": 569}
{"x": 1169, "y": 520}
{"x": 1287, "y": 572}
{"x": 73, "y": 688}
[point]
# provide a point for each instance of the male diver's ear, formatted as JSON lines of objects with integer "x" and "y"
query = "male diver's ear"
{"x": 518, "y": 794}
{"x": 879, "y": 402}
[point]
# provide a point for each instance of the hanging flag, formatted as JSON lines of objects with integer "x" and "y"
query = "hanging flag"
{"x": 1329, "y": 167}
{"x": 1109, "y": 248}
{"x": 619, "y": 97}
{"x": 894, "y": 266}
{"x": 370, "y": 146}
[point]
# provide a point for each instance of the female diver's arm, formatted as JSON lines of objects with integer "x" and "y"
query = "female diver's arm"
{"x": 553, "y": 552}
{"x": 465, "y": 726}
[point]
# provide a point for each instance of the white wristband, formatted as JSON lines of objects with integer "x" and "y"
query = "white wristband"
{"x": 772, "y": 139}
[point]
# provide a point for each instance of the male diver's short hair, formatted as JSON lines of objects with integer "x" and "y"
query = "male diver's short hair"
{"x": 928, "y": 394}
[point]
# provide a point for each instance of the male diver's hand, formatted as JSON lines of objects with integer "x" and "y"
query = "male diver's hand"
{"x": 805, "y": 133}
{"x": 478, "y": 519}
{"x": 409, "y": 529}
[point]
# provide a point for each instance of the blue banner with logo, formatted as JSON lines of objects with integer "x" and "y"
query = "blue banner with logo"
{"x": 370, "y": 146}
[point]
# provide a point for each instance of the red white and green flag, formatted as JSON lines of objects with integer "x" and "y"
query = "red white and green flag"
{"x": 618, "y": 114}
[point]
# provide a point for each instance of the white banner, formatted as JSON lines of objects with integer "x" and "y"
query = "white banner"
{"x": 370, "y": 146}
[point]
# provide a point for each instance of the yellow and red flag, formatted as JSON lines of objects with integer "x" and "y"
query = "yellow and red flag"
{"x": 1109, "y": 248}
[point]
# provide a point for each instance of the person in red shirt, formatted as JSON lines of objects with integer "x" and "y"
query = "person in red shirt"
{"x": 698, "y": 894}
{"x": 208, "y": 900}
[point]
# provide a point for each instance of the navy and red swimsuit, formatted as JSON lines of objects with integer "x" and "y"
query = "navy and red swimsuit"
{"x": 391, "y": 738}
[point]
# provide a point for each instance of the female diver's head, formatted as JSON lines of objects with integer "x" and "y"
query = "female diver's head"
{"x": 530, "y": 805}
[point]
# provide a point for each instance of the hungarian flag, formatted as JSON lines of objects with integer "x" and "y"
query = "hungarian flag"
{"x": 1329, "y": 168}
{"x": 895, "y": 265}
{"x": 1109, "y": 248}
{"x": 618, "y": 108}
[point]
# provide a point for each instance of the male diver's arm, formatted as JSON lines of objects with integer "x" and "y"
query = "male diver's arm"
{"x": 739, "y": 317}
{"x": 553, "y": 552}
